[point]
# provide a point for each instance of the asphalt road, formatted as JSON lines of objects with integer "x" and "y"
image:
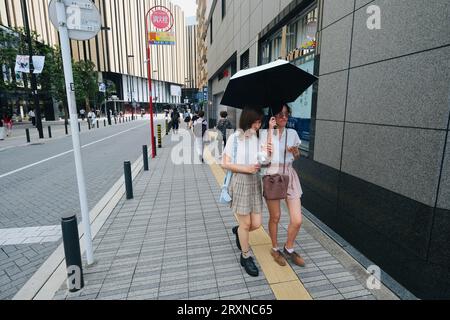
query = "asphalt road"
{"x": 38, "y": 184}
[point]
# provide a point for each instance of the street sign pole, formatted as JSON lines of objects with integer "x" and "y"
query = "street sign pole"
{"x": 150, "y": 92}
{"x": 67, "y": 64}
{"x": 162, "y": 19}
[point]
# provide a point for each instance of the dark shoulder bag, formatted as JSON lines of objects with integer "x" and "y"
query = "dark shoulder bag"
{"x": 275, "y": 186}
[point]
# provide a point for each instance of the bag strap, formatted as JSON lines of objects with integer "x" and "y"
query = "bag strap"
{"x": 229, "y": 173}
{"x": 285, "y": 151}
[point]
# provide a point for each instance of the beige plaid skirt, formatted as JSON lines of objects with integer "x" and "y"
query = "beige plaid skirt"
{"x": 245, "y": 190}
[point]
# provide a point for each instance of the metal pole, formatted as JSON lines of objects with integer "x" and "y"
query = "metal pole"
{"x": 34, "y": 92}
{"x": 67, "y": 63}
{"x": 27, "y": 132}
{"x": 145, "y": 156}
{"x": 128, "y": 180}
{"x": 65, "y": 126}
{"x": 150, "y": 97}
{"x": 49, "y": 132}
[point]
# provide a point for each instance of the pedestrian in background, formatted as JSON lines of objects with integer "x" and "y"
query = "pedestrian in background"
{"x": 82, "y": 114}
{"x": 32, "y": 117}
{"x": 2, "y": 129}
{"x": 92, "y": 118}
{"x": 200, "y": 126}
{"x": 280, "y": 139}
{"x": 175, "y": 120}
{"x": 8, "y": 123}
{"x": 223, "y": 125}
{"x": 240, "y": 157}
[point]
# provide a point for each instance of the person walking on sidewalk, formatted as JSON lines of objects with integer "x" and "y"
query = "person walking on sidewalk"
{"x": 2, "y": 130}
{"x": 8, "y": 123}
{"x": 82, "y": 114}
{"x": 175, "y": 120}
{"x": 223, "y": 125}
{"x": 245, "y": 185}
{"x": 32, "y": 117}
{"x": 200, "y": 126}
{"x": 279, "y": 139}
{"x": 92, "y": 119}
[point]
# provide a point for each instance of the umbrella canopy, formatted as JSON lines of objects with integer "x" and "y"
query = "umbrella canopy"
{"x": 271, "y": 84}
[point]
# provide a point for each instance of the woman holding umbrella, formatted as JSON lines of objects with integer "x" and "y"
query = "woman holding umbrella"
{"x": 240, "y": 157}
{"x": 282, "y": 139}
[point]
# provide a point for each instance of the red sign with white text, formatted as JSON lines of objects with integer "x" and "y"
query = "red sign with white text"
{"x": 160, "y": 19}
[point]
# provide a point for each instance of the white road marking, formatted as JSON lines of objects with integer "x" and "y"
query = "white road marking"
{"x": 67, "y": 152}
{"x": 15, "y": 236}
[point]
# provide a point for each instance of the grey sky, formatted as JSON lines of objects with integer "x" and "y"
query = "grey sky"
{"x": 188, "y": 6}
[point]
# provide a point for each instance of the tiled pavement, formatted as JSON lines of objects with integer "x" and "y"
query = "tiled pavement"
{"x": 28, "y": 200}
{"x": 174, "y": 241}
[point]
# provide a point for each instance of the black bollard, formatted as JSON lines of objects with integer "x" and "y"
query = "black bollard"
{"x": 128, "y": 180}
{"x": 79, "y": 127}
{"x": 71, "y": 240}
{"x": 98, "y": 124}
{"x": 104, "y": 123}
{"x": 27, "y": 132}
{"x": 65, "y": 126}
{"x": 154, "y": 143}
{"x": 49, "y": 132}
{"x": 145, "y": 156}
{"x": 167, "y": 127}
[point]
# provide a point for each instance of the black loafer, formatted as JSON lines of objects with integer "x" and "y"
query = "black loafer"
{"x": 249, "y": 266}
{"x": 235, "y": 231}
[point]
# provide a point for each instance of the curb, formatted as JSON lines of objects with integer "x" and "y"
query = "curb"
{"x": 47, "y": 280}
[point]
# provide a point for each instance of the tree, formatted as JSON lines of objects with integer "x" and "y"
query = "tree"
{"x": 85, "y": 78}
{"x": 9, "y": 44}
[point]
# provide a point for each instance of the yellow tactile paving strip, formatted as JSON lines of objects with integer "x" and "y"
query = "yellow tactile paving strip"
{"x": 283, "y": 281}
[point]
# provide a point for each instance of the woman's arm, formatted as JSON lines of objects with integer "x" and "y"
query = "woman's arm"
{"x": 238, "y": 168}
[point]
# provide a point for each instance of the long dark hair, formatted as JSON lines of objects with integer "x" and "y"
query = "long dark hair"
{"x": 249, "y": 116}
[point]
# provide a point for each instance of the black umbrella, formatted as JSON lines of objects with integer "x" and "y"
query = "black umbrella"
{"x": 271, "y": 84}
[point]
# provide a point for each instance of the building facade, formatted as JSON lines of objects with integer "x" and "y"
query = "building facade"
{"x": 118, "y": 51}
{"x": 375, "y": 128}
{"x": 190, "y": 90}
{"x": 202, "y": 29}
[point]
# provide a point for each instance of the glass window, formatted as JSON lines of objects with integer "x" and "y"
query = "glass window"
{"x": 265, "y": 52}
{"x": 301, "y": 108}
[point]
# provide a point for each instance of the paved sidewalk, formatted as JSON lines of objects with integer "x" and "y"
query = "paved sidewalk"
{"x": 174, "y": 241}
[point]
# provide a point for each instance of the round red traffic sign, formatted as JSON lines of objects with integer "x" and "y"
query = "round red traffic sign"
{"x": 160, "y": 19}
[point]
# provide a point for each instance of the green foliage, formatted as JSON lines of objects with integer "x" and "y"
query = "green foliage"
{"x": 85, "y": 78}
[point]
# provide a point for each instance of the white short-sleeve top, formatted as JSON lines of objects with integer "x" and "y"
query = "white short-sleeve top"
{"x": 278, "y": 144}
{"x": 247, "y": 148}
